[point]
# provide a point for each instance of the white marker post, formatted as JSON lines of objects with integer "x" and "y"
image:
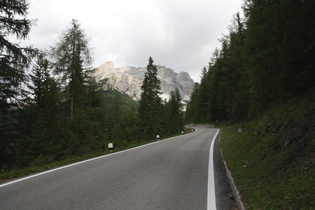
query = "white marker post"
{"x": 110, "y": 147}
{"x": 240, "y": 130}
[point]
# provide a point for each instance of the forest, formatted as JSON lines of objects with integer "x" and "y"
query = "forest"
{"x": 52, "y": 109}
{"x": 262, "y": 80}
{"x": 266, "y": 59}
{"x": 259, "y": 88}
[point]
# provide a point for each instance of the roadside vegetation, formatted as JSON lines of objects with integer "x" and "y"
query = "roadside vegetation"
{"x": 263, "y": 80}
{"x": 44, "y": 163}
{"x": 52, "y": 111}
{"x": 273, "y": 160}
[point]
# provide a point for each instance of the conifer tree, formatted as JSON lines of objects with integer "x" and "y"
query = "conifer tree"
{"x": 192, "y": 107}
{"x": 174, "y": 113}
{"x": 41, "y": 80}
{"x": 36, "y": 131}
{"x": 131, "y": 125}
{"x": 72, "y": 57}
{"x": 150, "y": 102}
{"x": 266, "y": 59}
{"x": 14, "y": 59}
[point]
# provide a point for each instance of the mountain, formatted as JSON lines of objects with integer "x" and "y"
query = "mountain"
{"x": 129, "y": 80}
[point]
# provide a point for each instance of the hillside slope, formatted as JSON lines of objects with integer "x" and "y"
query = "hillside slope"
{"x": 273, "y": 159}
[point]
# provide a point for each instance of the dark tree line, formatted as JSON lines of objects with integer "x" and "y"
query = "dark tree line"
{"x": 158, "y": 117}
{"x": 14, "y": 59}
{"x": 267, "y": 58}
{"x": 53, "y": 109}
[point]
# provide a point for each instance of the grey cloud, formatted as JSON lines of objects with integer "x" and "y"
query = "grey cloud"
{"x": 178, "y": 34}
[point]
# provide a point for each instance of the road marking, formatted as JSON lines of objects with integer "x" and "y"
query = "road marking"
{"x": 85, "y": 161}
{"x": 211, "y": 202}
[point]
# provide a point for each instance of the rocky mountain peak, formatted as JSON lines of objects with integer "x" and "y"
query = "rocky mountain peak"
{"x": 129, "y": 80}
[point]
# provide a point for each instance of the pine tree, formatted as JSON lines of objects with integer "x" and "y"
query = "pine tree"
{"x": 265, "y": 59}
{"x": 14, "y": 59}
{"x": 174, "y": 113}
{"x": 36, "y": 132}
{"x": 222, "y": 93}
{"x": 131, "y": 125}
{"x": 234, "y": 81}
{"x": 279, "y": 47}
{"x": 192, "y": 107}
{"x": 40, "y": 78}
{"x": 72, "y": 57}
{"x": 150, "y": 102}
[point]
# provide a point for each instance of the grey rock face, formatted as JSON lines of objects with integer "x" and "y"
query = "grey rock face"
{"x": 129, "y": 80}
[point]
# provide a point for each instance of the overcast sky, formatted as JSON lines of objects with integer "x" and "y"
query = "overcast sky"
{"x": 180, "y": 34}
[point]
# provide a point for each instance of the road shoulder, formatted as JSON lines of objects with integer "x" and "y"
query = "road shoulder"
{"x": 225, "y": 197}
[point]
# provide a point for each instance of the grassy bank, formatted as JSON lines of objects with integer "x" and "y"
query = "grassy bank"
{"x": 273, "y": 160}
{"x": 44, "y": 164}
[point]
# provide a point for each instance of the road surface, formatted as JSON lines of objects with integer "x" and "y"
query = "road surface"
{"x": 176, "y": 173}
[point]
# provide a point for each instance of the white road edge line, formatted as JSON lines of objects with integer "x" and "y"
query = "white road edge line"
{"x": 85, "y": 161}
{"x": 211, "y": 202}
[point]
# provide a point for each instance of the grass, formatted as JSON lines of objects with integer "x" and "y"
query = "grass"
{"x": 18, "y": 173}
{"x": 273, "y": 160}
{"x": 43, "y": 165}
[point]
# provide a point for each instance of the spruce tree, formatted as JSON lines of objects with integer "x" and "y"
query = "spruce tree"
{"x": 38, "y": 135}
{"x": 14, "y": 59}
{"x": 174, "y": 113}
{"x": 150, "y": 102}
{"x": 192, "y": 107}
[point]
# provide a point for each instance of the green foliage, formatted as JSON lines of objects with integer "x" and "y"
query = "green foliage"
{"x": 263, "y": 76}
{"x": 272, "y": 160}
{"x": 155, "y": 117}
{"x": 192, "y": 108}
{"x": 174, "y": 121}
{"x": 14, "y": 59}
{"x": 278, "y": 48}
{"x": 65, "y": 113}
{"x": 47, "y": 131}
{"x": 150, "y": 109}
{"x": 222, "y": 94}
{"x": 72, "y": 58}
{"x": 266, "y": 58}
{"x": 40, "y": 116}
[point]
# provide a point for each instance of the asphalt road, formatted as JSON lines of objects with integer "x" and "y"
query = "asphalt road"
{"x": 169, "y": 174}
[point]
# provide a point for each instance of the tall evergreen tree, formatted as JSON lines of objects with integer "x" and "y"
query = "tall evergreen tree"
{"x": 14, "y": 59}
{"x": 279, "y": 48}
{"x": 72, "y": 57}
{"x": 203, "y": 98}
{"x": 192, "y": 107}
{"x": 266, "y": 58}
{"x": 174, "y": 113}
{"x": 222, "y": 94}
{"x": 41, "y": 80}
{"x": 234, "y": 79}
{"x": 38, "y": 135}
{"x": 150, "y": 102}
{"x": 131, "y": 125}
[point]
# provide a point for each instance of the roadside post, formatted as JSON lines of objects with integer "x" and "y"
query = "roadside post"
{"x": 110, "y": 147}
